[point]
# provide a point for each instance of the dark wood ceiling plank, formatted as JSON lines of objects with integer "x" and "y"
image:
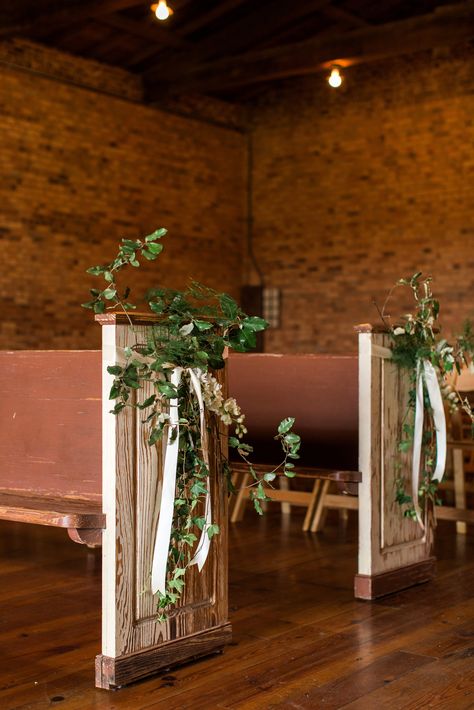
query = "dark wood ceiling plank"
{"x": 64, "y": 16}
{"x": 341, "y": 15}
{"x": 205, "y": 18}
{"x": 448, "y": 25}
{"x": 186, "y": 29}
{"x": 151, "y": 32}
{"x": 255, "y": 26}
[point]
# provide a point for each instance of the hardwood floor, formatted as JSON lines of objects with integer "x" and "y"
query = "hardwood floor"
{"x": 300, "y": 639}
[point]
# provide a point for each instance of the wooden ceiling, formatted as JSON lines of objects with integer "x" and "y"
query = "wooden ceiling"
{"x": 223, "y": 47}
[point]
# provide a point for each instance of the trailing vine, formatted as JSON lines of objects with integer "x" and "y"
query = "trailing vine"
{"x": 416, "y": 339}
{"x": 194, "y": 327}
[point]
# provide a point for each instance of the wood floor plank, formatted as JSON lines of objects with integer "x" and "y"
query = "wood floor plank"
{"x": 354, "y": 685}
{"x": 300, "y": 638}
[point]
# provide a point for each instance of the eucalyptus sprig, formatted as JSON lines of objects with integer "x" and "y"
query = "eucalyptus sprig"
{"x": 417, "y": 338}
{"x": 194, "y": 328}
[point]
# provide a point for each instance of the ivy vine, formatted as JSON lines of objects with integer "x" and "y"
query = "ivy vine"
{"x": 415, "y": 339}
{"x": 194, "y": 328}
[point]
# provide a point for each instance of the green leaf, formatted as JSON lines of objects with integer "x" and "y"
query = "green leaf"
{"x": 114, "y": 370}
{"x": 285, "y": 425}
{"x": 212, "y": 530}
{"x": 96, "y": 270}
{"x": 292, "y": 438}
{"x": 269, "y": 476}
{"x": 202, "y": 325}
{"x": 168, "y": 390}
{"x": 148, "y": 255}
{"x": 109, "y": 293}
{"x": 254, "y": 323}
{"x": 199, "y": 522}
{"x": 156, "y": 235}
{"x": 114, "y": 391}
{"x": 149, "y": 401}
{"x": 198, "y": 488}
{"x": 155, "y": 248}
{"x": 99, "y": 307}
{"x": 157, "y": 307}
{"x": 156, "y": 435}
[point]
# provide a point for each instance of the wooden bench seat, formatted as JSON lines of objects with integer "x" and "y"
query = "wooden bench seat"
{"x": 83, "y": 519}
{"x": 321, "y": 393}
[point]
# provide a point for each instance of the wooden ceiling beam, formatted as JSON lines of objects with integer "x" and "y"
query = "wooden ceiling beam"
{"x": 204, "y": 18}
{"x": 340, "y": 15}
{"x": 448, "y": 25}
{"x": 46, "y": 22}
{"x": 145, "y": 30}
{"x": 254, "y": 27}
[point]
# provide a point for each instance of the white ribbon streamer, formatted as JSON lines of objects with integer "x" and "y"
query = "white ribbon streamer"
{"x": 202, "y": 550}
{"x": 165, "y": 521}
{"x": 426, "y": 372}
{"x": 163, "y": 532}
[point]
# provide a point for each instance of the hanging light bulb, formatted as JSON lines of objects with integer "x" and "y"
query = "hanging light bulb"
{"x": 335, "y": 79}
{"x": 161, "y": 10}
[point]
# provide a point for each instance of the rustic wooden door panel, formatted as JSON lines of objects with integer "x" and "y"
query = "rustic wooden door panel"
{"x": 134, "y": 643}
{"x": 394, "y": 552}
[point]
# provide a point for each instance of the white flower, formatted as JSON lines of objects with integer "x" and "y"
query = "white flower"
{"x": 399, "y": 331}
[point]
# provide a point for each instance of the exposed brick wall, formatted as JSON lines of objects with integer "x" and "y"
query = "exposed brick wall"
{"x": 80, "y": 169}
{"x": 354, "y": 188}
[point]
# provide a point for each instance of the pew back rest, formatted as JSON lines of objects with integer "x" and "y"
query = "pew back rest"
{"x": 50, "y": 423}
{"x": 320, "y": 391}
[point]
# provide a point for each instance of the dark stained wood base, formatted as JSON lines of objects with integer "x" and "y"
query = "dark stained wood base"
{"x": 117, "y": 672}
{"x": 379, "y": 585}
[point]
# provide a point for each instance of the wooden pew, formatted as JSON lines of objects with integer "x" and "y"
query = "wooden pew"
{"x": 321, "y": 392}
{"x": 394, "y": 552}
{"x": 57, "y": 435}
{"x": 66, "y": 461}
{"x": 50, "y": 446}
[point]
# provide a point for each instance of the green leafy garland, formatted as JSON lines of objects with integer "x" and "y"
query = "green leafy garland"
{"x": 194, "y": 328}
{"x": 416, "y": 339}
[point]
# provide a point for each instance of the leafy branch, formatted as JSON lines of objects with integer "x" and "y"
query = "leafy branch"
{"x": 194, "y": 327}
{"x": 415, "y": 339}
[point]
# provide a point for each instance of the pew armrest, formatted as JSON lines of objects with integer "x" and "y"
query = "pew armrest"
{"x": 347, "y": 481}
{"x": 83, "y": 519}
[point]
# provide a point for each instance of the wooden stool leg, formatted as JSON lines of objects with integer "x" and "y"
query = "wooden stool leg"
{"x": 241, "y": 499}
{"x": 312, "y": 505}
{"x": 285, "y": 486}
{"x": 236, "y": 476}
{"x": 320, "y": 512}
{"x": 459, "y": 487}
